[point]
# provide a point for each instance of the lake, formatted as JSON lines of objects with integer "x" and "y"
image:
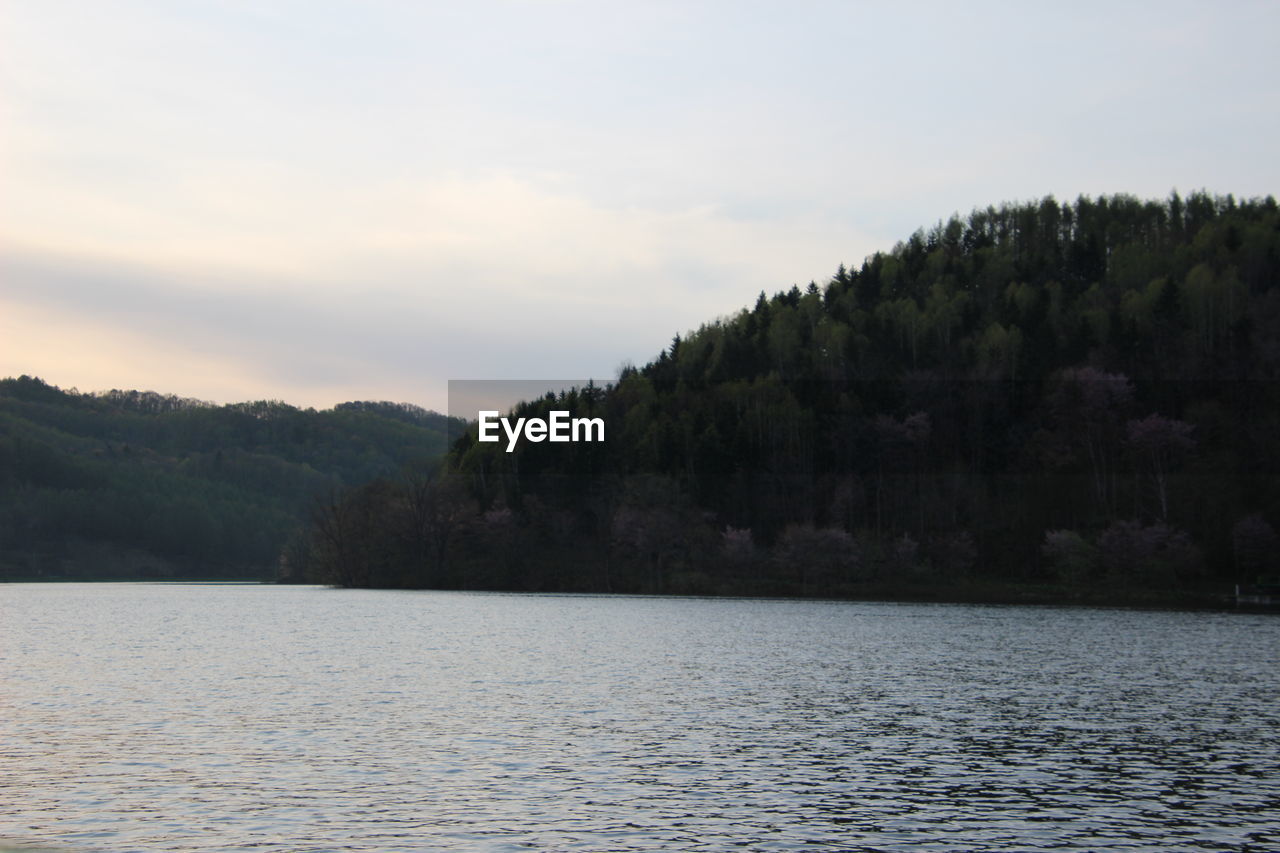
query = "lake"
{"x": 258, "y": 718}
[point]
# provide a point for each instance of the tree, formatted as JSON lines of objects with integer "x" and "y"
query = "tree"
{"x": 435, "y": 504}
{"x": 1161, "y": 442}
{"x": 1255, "y": 544}
{"x": 1156, "y": 555}
{"x": 1087, "y": 404}
{"x": 817, "y": 558}
{"x": 1070, "y": 555}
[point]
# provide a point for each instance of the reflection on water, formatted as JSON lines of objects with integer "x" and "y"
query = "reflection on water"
{"x": 158, "y": 718}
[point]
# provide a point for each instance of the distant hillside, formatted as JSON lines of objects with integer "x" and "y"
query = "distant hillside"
{"x": 129, "y": 484}
{"x": 1076, "y": 397}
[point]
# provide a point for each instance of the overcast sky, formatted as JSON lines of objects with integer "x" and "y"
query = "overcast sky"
{"x": 323, "y": 201}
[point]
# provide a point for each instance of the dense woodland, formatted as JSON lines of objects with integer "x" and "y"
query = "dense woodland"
{"x": 129, "y": 484}
{"x": 1064, "y": 401}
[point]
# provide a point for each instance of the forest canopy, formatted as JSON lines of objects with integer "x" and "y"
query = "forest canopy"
{"x": 1078, "y": 397}
{"x": 135, "y": 484}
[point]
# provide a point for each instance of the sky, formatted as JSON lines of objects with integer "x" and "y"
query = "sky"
{"x": 322, "y": 201}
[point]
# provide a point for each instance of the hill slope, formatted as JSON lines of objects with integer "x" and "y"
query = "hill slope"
{"x": 132, "y": 484}
{"x": 1078, "y": 399}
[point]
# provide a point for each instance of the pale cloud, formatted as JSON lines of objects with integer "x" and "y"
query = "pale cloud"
{"x": 484, "y": 278}
{"x": 515, "y": 237}
{"x": 75, "y": 351}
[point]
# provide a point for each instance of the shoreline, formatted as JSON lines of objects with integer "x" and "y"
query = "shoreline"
{"x": 1219, "y": 598}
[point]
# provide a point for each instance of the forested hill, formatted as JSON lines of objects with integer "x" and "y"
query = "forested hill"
{"x": 129, "y": 484}
{"x": 1078, "y": 398}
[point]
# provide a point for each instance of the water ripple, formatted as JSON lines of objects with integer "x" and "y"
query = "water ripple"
{"x": 154, "y": 718}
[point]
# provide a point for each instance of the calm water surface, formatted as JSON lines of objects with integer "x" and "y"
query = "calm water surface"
{"x": 243, "y": 718}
